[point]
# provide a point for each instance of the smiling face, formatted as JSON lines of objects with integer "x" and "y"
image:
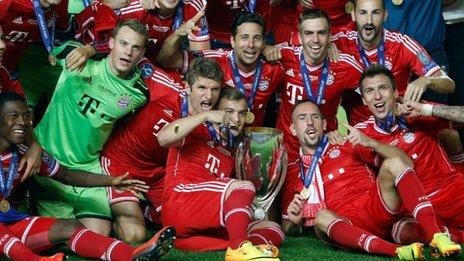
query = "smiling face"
{"x": 379, "y": 95}
{"x": 248, "y": 43}
{"x": 203, "y": 94}
{"x": 16, "y": 121}
{"x": 308, "y": 126}
{"x": 315, "y": 38}
{"x": 127, "y": 47}
{"x": 369, "y": 16}
{"x": 236, "y": 110}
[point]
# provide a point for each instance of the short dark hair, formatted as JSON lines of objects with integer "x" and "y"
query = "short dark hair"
{"x": 374, "y": 70}
{"x": 10, "y": 96}
{"x": 231, "y": 93}
{"x": 134, "y": 25}
{"x": 300, "y": 102}
{"x": 203, "y": 67}
{"x": 312, "y": 14}
{"x": 247, "y": 17}
{"x": 355, "y": 1}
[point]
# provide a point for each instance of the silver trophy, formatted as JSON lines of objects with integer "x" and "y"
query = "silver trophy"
{"x": 262, "y": 159}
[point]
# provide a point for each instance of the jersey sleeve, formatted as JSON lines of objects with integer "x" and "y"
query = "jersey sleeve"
{"x": 95, "y": 26}
{"x": 50, "y": 165}
{"x": 354, "y": 72}
{"x": 4, "y": 6}
{"x": 192, "y": 8}
{"x": 420, "y": 61}
{"x": 367, "y": 155}
{"x": 62, "y": 16}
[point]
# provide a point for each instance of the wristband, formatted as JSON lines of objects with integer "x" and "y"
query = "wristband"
{"x": 427, "y": 109}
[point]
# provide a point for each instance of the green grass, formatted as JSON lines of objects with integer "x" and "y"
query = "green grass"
{"x": 294, "y": 248}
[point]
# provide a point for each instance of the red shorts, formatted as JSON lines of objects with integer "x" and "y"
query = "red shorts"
{"x": 196, "y": 209}
{"x": 369, "y": 212}
{"x": 154, "y": 194}
{"x": 448, "y": 203}
{"x": 33, "y": 231}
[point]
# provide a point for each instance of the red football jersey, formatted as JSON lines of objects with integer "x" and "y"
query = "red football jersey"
{"x": 342, "y": 76}
{"x": 343, "y": 183}
{"x": 20, "y": 26}
{"x": 198, "y": 159}
{"x": 272, "y": 76}
{"x": 340, "y": 20}
{"x": 159, "y": 28}
{"x": 403, "y": 56}
{"x": 134, "y": 145}
{"x": 430, "y": 161}
{"x": 48, "y": 168}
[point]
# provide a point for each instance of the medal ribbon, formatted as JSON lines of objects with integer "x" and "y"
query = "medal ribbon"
{"x": 307, "y": 80}
{"x": 179, "y": 16}
{"x": 7, "y": 185}
{"x": 380, "y": 53}
{"x": 184, "y": 106}
{"x": 251, "y": 6}
{"x": 86, "y": 2}
{"x": 217, "y": 137}
{"x": 390, "y": 121}
{"x": 47, "y": 36}
{"x": 238, "y": 81}
{"x": 308, "y": 176}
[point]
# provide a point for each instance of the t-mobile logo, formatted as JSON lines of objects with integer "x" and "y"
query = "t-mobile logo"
{"x": 212, "y": 164}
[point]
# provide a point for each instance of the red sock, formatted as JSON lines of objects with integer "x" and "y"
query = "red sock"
{"x": 407, "y": 231}
{"x": 237, "y": 213}
{"x": 457, "y": 235}
{"x": 89, "y": 244}
{"x": 414, "y": 199}
{"x": 266, "y": 235}
{"x": 13, "y": 248}
{"x": 349, "y": 236}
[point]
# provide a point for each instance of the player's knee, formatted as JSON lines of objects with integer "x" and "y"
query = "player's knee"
{"x": 395, "y": 166}
{"x": 133, "y": 235}
{"x": 323, "y": 219}
{"x": 240, "y": 185}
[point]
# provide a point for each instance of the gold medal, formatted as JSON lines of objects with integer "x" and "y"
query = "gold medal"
{"x": 349, "y": 7}
{"x": 305, "y": 193}
{"x": 52, "y": 59}
{"x": 249, "y": 117}
{"x": 4, "y": 205}
{"x": 397, "y": 2}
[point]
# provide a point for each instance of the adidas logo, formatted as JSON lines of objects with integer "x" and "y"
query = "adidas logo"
{"x": 18, "y": 20}
{"x": 168, "y": 112}
{"x": 290, "y": 72}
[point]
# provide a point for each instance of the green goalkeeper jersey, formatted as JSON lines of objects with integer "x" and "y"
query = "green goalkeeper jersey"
{"x": 84, "y": 109}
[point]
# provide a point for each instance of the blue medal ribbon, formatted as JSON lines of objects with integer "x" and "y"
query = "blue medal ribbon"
{"x": 251, "y": 6}
{"x": 47, "y": 36}
{"x": 307, "y": 81}
{"x": 179, "y": 16}
{"x": 217, "y": 137}
{"x": 390, "y": 121}
{"x": 380, "y": 53}
{"x": 7, "y": 185}
{"x": 238, "y": 81}
{"x": 308, "y": 176}
{"x": 184, "y": 106}
{"x": 86, "y": 2}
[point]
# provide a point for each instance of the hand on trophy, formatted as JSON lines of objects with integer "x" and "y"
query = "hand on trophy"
{"x": 295, "y": 209}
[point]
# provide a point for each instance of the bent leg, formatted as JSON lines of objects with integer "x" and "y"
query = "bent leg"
{"x": 129, "y": 223}
{"x": 333, "y": 228}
